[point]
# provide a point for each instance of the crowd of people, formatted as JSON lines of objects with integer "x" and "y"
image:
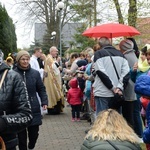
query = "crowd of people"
{"x": 93, "y": 80}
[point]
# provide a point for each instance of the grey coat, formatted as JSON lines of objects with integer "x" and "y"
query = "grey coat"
{"x": 129, "y": 91}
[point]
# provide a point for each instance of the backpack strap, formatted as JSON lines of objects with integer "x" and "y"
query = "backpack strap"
{"x": 3, "y": 77}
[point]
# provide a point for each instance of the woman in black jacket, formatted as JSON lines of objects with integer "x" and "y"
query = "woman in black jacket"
{"x": 15, "y": 110}
{"x": 34, "y": 85}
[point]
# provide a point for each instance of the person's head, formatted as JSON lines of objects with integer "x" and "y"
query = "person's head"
{"x": 89, "y": 55}
{"x": 23, "y": 59}
{"x": 110, "y": 125}
{"x": 96, "y": 47}
{"x": 143, "y": 53}
{"x": 37, "y": 52}
{"x": 104, "y": 41}
{"x": 82, "y": 55}
{"x": 148, "y": 56}
{"x": 126, "y": 45}
{"x": 13, "y": 55}
{"x": 53, "y": 51}
{"x": 43, "y": 57}
{"x": 73, "y": 83}
{"x": 1, "y": 57}
{"x": 135, "y": 47}
{"x": 9, "y": 61}
{"x": 73, "y": 57}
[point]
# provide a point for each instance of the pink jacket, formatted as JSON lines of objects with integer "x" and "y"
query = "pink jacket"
{"x": 75, "y": 94}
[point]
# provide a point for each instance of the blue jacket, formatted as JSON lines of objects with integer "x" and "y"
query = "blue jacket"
{"x": 142, "y": 85}
{"x": 146, "y": 133}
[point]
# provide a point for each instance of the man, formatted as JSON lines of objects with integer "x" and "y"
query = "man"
{"x": 106, "y": 82}
{"x": 34, "y": 61}
{"x": 15, "y": 110}
{"x": 53, "y": 83}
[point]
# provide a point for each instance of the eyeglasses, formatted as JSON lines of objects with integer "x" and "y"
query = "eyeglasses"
{"x": 24, "y": 59}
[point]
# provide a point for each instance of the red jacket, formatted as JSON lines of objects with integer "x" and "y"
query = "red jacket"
{"x": 75, "y": 94}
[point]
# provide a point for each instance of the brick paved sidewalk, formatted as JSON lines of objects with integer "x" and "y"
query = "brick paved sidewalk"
{"x": 59, "y": 133}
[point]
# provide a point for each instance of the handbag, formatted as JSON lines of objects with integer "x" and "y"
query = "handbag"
{"x": 2, "y": 144}
{"x": 118, "y": 99}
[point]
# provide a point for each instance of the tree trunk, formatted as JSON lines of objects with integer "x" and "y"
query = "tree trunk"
{"x": 120, "y": 17}
{"x": 132, "y": 13}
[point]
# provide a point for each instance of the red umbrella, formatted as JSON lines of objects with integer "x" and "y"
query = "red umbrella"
{"x": 111, "y": 30}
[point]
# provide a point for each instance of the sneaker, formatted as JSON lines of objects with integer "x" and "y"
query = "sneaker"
{"x": 78, "y": 119}
{"x": 73, "y": 119}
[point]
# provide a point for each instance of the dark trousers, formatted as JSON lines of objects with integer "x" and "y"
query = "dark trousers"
{"x": 33, "y": 132}
{"x": 76, "y": 111}
{"x": 11, "y": 148}
{"x": 127, "y": 112}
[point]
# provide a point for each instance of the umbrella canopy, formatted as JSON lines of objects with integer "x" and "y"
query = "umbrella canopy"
{"x": 111, "y": 30}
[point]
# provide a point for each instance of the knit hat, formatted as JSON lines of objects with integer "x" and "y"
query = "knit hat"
{"x": 126, "y": 45}
{"x": 148, "y": 46}
{"x": 1, "y": 56}
{"x": 20, "y": 54}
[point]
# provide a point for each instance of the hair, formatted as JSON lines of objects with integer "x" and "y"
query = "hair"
{"x": 89, "y": 51}
{"x": 9, "y": 59}
{"x": 148, "y": 52}
{"x": 96, "y": 47}
{"x": 144, "y": 50}
{"x": 82, "y": 54}
{"x": 135, "y": 46}
{"x": 52, "y": 48}
{"x": 76, "y": 55}
{"x": 104, "y": 41}
{"x": 36, "y": 49}
{"x": 110, "y": 125}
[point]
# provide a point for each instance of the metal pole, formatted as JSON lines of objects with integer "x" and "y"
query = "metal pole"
{"x": 60, "y": 38}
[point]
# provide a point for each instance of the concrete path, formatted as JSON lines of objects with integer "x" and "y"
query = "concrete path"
{"x": 58, "y": 132}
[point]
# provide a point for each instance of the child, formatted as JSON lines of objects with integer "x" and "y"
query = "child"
{"x": 74, "y": 97}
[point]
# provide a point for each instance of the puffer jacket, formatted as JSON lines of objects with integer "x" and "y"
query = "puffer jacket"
{"x": 15, "y": 109}
{"x": 89, "y": 144}
{"x": 146, "y": 133}
{"x": 34, "y": 85}
{"x": 74, "y": 95}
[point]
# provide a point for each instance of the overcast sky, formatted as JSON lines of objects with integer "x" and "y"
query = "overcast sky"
{"x": 22, "y": 39}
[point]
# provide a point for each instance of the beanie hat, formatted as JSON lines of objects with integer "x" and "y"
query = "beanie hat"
{"x": 148, "y": 46}
{"x": 20, "y": 54}
{"x": 126, "y": 45}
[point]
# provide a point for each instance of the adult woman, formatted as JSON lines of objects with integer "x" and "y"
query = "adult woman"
{"x": 34, "y": 85}
{"x": 110, "y": 131}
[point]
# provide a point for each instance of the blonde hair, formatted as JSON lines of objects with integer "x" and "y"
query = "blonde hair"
{"x": 110, "y": 125}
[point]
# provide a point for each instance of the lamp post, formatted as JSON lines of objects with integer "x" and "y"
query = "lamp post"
{"x": 53, "y": 34}
{"x": 59, "y": 7}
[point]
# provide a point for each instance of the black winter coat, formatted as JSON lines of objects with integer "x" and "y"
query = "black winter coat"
{"x": 15, "y": 110}
{"x": 34, "y": 85}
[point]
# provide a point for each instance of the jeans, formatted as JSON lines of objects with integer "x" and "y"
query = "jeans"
{"x": 101, "y": 103}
